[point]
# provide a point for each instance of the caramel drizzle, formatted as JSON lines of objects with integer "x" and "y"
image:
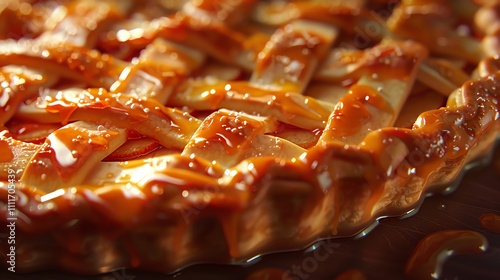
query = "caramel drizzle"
{"x": 292, "y": 54}
{"x": 409, "y": 18}
{"x": 132, "y": 84}
{"x": 82, "y": 22}
{"x": 304, "y": 11}
{"x": 244, "y": 135}
{"x": 430, "y": 254}
{"x": 212, "y": 37}
{"x": 71, "y": 152}
{"x": 18, "y": 152}
{"x": 288, "y": 107}
{"x": 490, "y": 222}
{"x": 345, "y": 15}
{"x": 227, "y": 129}
{"x": 17, "y": 87}
{"x": 24, "y": 19}
{"x": 351, "y": 112}
{"x": 237, "y": 188}
{"x": 73, "y": 62}
{"x": 389, "y": 59}
{"x": 170, "y": 127}
{"x": 367, "y": 107}
{"x": 228, "y": 12}
{"x": 64, "y": 48}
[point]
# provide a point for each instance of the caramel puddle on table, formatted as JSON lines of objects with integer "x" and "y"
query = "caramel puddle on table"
{"x": 491, "y": 222}
{"x": 426, "y": 261}
{"x": 351, "y": 274}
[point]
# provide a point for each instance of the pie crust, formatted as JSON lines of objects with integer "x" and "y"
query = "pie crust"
{"x": 158, "y": 134}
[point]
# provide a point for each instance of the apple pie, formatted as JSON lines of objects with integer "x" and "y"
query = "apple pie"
{"x": 158, "y": 134}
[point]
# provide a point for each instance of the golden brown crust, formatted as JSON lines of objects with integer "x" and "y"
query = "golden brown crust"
{"x": 253, "y": 162}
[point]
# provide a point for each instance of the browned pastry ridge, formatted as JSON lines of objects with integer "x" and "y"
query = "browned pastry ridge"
{"x": 164, "y": 135}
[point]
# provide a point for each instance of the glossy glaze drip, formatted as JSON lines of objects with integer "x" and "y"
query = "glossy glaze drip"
{"x": 18, "y": 84}
{"x": 158, "y": 121}
{"x": 428, "y": 258}
{"x": 491, "y": 222}
{"x": 287, "y": 106}
{"x": 387, "y": 60}
{"x": 78, "y": 63}
{"x": 291, "y": 56}
{"x": 65, "y": 103}
{"x": 32, "y": 132}
{"x": 220, "y": 37}
{"x": 214, "y": 38}
{"x": 393, "y": 62}
{"x": 83, "y": 22}
{"x": 71, "y": 146}
{"x": 227, "y": 11}
{"x": 407, "y": 21}
{"x": 351, "y": 111}
{"x": 229, "y": 131}
{"x": 341, "y": 14}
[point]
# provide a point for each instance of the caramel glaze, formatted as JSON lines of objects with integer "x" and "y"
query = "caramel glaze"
{"x": 393, "y": 59}
{"x": 75, "y": 63}
{"x": 83, "y": 22}
{"x": 205, "y": 33}
{"x": 72, "y": 142}
{"x": 19, "y": 153}
{"x": 326, "y": 181}
{"x": 430, "y": 254}
{"x": 32, "y": 18}
{"x": 18, "y": 87}
{"x": 291, "y": 56}
{"x": 226, "y": 130}
{"x": 31, "y": 132}
{"x": 490, "y": 222}
{"x": 410, "y": 17}
{"x": 288, "y": 107}
{"x": 146, "y": 116}
{"x": 345, "y": 15}
{"x": 389, "y": 59}
{"x": 351, "y": 111}
{"x": 231, "y": 13}
{"x": 28, "y": 22}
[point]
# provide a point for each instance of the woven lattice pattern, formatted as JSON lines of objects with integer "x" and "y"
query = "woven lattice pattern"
{"x": 151, "y": 127}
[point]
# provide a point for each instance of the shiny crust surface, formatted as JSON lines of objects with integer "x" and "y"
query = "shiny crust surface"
{"x": 167, "y": 135}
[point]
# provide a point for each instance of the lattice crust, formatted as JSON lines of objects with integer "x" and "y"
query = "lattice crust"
{"x": 147, "y": 128}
